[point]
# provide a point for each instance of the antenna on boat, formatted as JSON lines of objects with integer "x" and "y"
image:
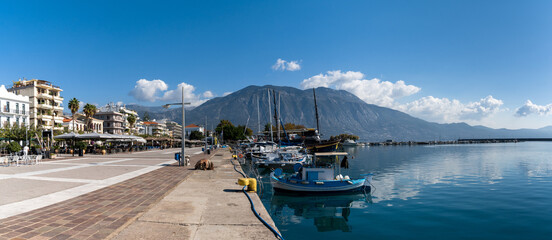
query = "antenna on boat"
{"x": 316, "y": 111}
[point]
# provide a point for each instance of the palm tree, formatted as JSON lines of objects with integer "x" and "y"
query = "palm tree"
{"x": 131, "y": 120}
{"x": 74, "y": 106}
{"x": 89, "y": 110}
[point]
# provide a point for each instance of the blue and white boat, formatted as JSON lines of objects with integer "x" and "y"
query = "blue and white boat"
{"x": 318, "y": 179}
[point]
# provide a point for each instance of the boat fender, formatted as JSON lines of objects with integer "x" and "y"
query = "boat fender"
{"x": 292, "y": 181}
{"x": 319, "y": 183}
{"x": 305, "y": 182}
{"x": 350, "y": 182}
{"x": 346, "y": 177}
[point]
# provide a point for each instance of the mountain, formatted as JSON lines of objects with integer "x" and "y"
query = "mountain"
{"x": 339, "y": 111}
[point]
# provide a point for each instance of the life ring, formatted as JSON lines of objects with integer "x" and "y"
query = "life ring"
{"x": 241, "y": 155}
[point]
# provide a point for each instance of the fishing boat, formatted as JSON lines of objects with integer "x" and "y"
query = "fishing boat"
{"x": 317, "y": 179}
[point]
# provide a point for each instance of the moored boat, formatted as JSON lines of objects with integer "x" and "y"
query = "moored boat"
{"x": 318, "y": 179}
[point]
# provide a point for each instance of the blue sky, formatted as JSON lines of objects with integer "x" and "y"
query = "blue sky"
{"x": 446, "y": 61}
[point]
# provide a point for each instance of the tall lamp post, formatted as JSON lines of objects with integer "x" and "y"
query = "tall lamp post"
{"x": 182, "y": 155}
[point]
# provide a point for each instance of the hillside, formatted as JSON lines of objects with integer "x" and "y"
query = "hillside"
{"x": 339, "y": 111}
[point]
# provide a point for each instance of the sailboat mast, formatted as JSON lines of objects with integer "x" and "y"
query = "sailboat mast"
{"x": 258, "y": 118}
{"x": 276, "y": 112}
{"x": 316, "y": 111}
{"x": 270, "y": 117}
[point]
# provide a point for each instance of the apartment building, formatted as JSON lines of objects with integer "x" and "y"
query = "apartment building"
{"x": 121, "y": 108}
{"x": 14, "y": 109}
{"x": 46, "y": 103}
{"x": 112, "y": 121}
{"x": 174, "y": 128}
{"x": 154, "y": 128}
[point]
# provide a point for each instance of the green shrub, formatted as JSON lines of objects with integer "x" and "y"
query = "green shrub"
{"x": 14, "y": 147}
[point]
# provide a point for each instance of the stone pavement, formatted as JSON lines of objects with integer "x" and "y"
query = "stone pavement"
{"x": 207, "y": 205}
{"x": 94, "y": 215}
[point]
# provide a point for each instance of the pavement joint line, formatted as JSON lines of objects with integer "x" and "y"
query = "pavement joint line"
{"x": 12, "y": 209}
{"x": 40, "y": 172}
{"x": 66, "y": 160}
{"x": 205, "y": 224}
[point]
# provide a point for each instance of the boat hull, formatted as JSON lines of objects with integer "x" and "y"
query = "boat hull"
{"x": 327, "y": 187}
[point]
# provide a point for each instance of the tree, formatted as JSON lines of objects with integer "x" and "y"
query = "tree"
{"x": 196, "y": 135}
{"x": 89, "y": 110}
{"x": 230, "y": 132}
{"x": 344, "y": 137}
{"x": 74, "y": 107}
{"x": 131, "y": 120}
{"x": 146, "y": 117}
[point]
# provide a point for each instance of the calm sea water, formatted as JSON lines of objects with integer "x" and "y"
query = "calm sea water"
{"x": 480, "y": 191}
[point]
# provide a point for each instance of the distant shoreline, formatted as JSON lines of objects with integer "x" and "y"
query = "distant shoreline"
{"x": 459, "y": 141}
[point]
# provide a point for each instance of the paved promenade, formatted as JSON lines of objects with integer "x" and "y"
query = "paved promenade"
{"x": 102, "y": 197}
{"x": 207, "y": 205}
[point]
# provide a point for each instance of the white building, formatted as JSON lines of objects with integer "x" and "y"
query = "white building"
{"x": 192, "y": 127}
{"x": 46, "y": 103}
{"x": 154, "y": 128}
{"x": 14, "y": 109}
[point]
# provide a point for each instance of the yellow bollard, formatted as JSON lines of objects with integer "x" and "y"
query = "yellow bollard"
{"x": 251, "y": 184}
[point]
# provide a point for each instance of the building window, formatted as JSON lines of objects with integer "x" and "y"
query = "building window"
{"x": 7, "y": 107}
{"x": 17, "y": 108}
{"x": 23, "y": 109}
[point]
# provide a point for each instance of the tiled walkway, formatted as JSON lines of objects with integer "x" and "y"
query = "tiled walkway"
{"x": 98, "y": 214}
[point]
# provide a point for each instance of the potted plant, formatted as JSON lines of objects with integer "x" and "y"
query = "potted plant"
{"x": 82, "y": 147}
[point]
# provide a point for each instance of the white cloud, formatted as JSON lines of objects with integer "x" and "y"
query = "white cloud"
{"x": 189, "y": 95}
{"x": 446, "y": 111}
{"x": 283, "y": 65}
{"x": 226, "y": 94}
{"x": 208, "y": 94}
{"x": 386, "y": 94}
{"x": 531, "y": 108}
{"x": 145, "y": 90}
{"x": 373, "y": 91}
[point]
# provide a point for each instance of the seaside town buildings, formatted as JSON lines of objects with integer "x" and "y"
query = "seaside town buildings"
{"x": 154, "y": 128}
{"x": 193, "y": 127}
{"x": 45, "y": 102}
{"x": 125, "y": 113}
{"x": 14, "y": 109}
{"x": 174, "y": 128}
{"x": 96, "y": 125}
{"x": 112, "y": 121}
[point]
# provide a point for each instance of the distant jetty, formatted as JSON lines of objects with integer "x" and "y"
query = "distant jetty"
{"x": 461, "y": 141}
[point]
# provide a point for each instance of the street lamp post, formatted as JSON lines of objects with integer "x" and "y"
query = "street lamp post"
{"x": 182, "y": 155}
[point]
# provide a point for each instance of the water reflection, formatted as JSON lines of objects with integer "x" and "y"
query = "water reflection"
{"x": 330, "y": 213}
{"x": 401, "y": 172}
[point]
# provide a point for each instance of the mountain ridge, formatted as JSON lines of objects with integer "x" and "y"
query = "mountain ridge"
{"x": 339, "y": 111}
